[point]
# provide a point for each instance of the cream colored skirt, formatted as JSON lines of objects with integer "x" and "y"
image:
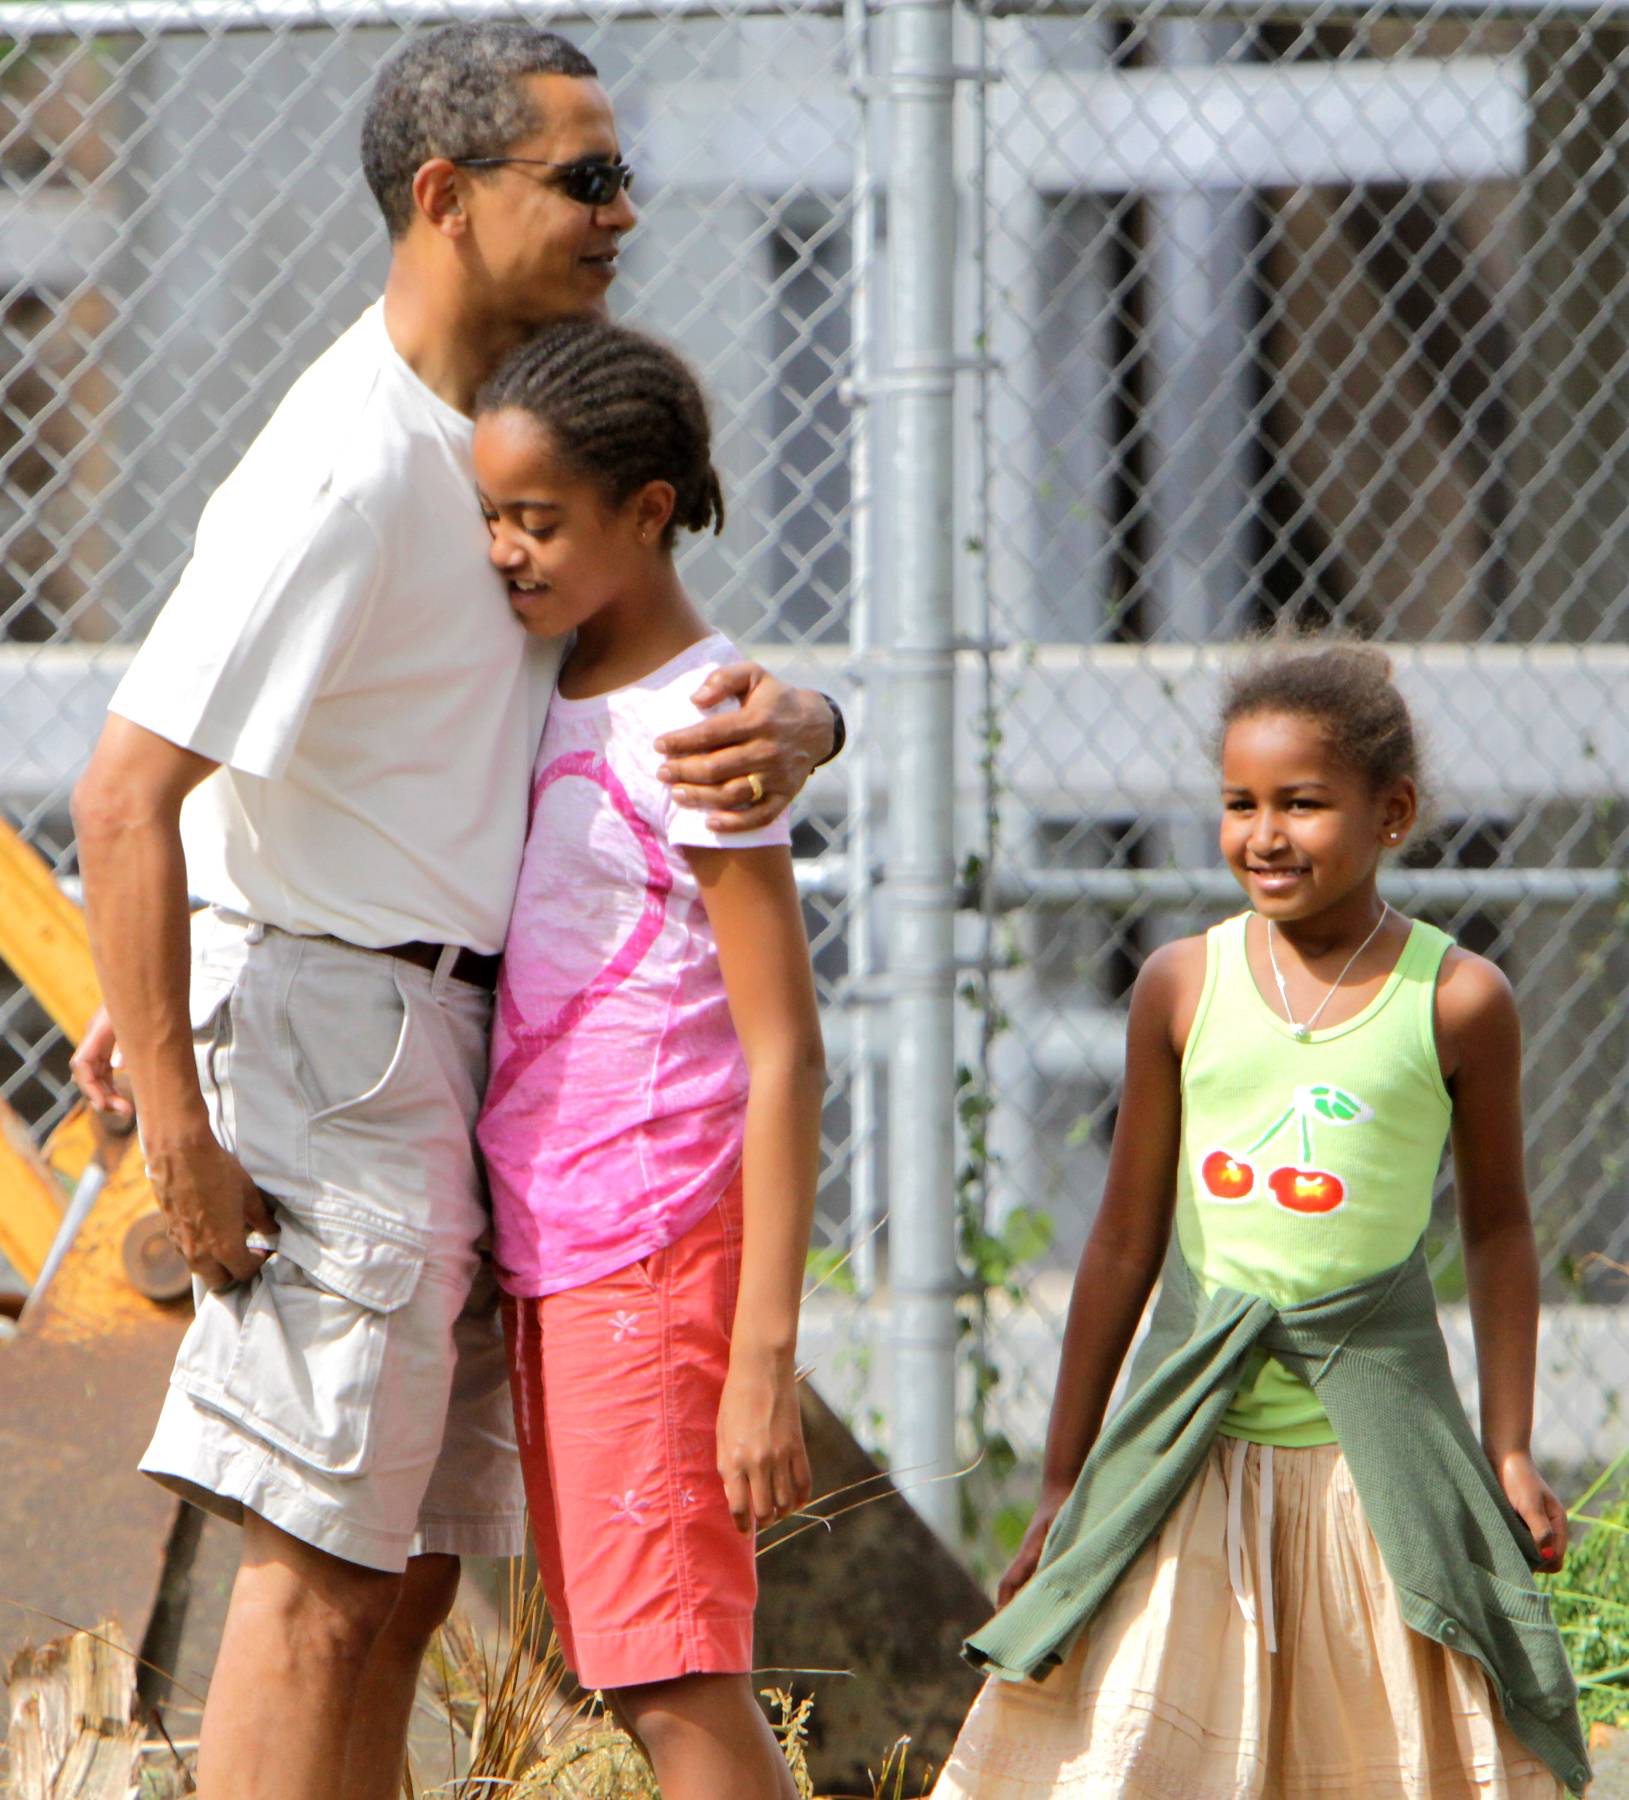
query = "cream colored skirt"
{"x": 1254, "y": 1651}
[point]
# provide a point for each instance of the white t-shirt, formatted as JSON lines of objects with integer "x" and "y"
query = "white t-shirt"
{"x": 340, "y": 644}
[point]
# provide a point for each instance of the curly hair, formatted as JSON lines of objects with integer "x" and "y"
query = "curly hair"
{"x": 1345, "y": 688}
{"x": 619, "y": 408}
{"x": 455, "y": 92}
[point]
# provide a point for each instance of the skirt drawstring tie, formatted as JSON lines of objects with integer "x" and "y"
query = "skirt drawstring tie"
{"x": 1264, "y": 1539}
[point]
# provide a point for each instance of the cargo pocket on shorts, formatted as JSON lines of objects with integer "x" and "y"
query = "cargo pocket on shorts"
{"x": 295, "y": 1357}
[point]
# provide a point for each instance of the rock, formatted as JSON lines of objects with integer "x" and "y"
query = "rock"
{"x": 876, "y": 1597}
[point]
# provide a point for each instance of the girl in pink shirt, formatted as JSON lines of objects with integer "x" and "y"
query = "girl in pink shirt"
{"x": 651, "y": 1126}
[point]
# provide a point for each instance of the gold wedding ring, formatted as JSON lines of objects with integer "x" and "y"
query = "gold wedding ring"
{"x": 756, "y": 784}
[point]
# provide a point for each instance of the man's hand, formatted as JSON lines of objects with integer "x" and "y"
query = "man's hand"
{"x": 92, "y": 1066}
{"x": 760, "y": 1441}
{"x": 777, "y": 734}
{"x": 210, "y": 1206}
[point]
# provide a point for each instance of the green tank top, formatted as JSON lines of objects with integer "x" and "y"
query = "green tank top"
{"x": 1307, "y": 1165}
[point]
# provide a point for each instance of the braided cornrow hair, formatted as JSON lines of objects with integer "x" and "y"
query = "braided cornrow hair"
{"x": 620, "y": 408}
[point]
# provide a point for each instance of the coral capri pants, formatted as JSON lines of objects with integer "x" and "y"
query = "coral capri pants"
{"x": 616, "y": 1386}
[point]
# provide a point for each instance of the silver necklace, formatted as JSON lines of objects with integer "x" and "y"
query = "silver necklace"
{"x": 1304, "y": 1031}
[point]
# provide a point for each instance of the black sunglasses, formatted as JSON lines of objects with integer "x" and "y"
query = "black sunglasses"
{"x": 591, "y": 182}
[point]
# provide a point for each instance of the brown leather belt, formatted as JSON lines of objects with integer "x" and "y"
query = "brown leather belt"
{"x": 469, "y": 965}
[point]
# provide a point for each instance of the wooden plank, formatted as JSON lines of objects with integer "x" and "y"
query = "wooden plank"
{"x": 30, "y": 1198}
{"x": 43, "y": 938}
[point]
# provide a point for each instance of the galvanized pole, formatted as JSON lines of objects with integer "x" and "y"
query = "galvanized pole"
{"x": 865, "y": 1131}
{"x": 920, "y": 868}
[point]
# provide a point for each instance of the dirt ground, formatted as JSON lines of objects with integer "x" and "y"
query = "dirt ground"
{"x": 1611, "y": 1769}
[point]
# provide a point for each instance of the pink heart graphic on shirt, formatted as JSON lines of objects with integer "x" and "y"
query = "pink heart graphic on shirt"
{"x": 528, "y": 1041}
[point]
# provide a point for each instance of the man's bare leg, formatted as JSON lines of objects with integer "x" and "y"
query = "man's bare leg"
{"x": 376, "y": 1751}
{"x": 299, "y": 1630}
{"x": 706, "y": 1736}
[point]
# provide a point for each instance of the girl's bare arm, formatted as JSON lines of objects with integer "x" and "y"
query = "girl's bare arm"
{"x": 1479, "y": 1039}
{"x": 1123, "y": 1254}
{"x": 752, "y": 904}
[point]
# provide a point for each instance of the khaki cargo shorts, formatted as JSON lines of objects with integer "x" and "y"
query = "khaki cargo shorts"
{"x": 355, "y": 1393}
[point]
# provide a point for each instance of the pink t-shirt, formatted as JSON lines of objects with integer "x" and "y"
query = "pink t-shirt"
{"x": 616, "y": 1102}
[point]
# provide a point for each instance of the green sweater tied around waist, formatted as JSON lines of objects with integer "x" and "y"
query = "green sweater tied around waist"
{"x": 1459, "y": 1554}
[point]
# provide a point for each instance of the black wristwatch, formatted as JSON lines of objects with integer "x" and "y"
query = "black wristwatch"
{"x": 839, "y": 732}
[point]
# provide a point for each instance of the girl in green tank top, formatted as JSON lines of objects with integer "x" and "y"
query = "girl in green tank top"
{"x": 1308, "y": 1156}
{"x": 1292, "y": 1078}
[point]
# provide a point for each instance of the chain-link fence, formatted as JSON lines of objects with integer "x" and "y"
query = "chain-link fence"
{"x": 1051, "y": 353}
{"x": 185, "y": 227}
{"x": 1313, "y": 313}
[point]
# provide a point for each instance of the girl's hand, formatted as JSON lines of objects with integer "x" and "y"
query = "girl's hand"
{"x": 1541, "y": 1512}
{"x": 760, "y": 1440}
{"x": 1023, "y": 1564}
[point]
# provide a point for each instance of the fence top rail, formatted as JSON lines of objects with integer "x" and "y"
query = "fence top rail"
{"x": 213, "y": 18}
{"x": 1613, "y": 14}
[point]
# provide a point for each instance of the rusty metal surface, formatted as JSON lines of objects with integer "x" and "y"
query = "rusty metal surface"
{"x": 83, "y": 1535}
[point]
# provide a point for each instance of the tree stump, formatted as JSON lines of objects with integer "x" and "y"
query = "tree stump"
{"x": 72, "y": 1737}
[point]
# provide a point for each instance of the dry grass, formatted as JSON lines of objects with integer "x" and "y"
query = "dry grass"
{"x": 530, "y": 1737}
{"x": 517, "y": 1729}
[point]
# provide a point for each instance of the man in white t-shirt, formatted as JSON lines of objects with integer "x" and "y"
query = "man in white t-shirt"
{"x": 328, "y": 736}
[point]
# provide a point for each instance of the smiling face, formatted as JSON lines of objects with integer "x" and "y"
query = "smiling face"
{"x": 563, "y": 548}
{"x": 540, "y": 254}
{"x": 1302, "y": 829}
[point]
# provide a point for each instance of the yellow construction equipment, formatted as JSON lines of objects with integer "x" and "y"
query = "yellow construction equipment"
{"x": 83, "y": 1374}
{"x": 42, "y": 937}
{"x": 30, "y": 1198}
{"x": 43, "y": 940}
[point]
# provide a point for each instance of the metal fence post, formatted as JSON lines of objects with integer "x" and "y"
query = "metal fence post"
{"x": 920, "y": 882}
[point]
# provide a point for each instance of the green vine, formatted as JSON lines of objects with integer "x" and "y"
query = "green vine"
{"x": 994, "y": 1261}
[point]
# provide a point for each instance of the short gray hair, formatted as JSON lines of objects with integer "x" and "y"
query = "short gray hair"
{"x": 455, "y": 92}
